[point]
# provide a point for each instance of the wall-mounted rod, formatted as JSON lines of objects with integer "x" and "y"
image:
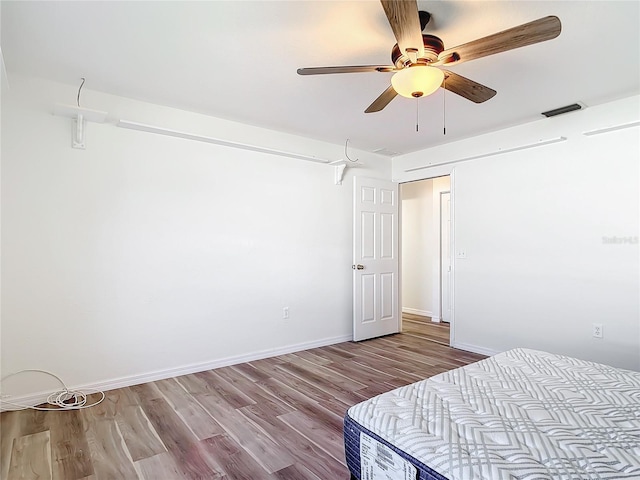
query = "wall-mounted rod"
{"x": 202, "y": 138}
{"x": 611, "y": 129}
{"x": 491, "y": 154}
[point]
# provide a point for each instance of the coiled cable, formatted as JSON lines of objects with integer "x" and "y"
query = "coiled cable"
{"x": 65, "y": 399}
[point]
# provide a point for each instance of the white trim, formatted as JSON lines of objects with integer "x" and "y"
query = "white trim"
{"x": 440, "y": 272}
{"x": 41, "y": 397}
{"x": 500, "y": 151}
{"x": 415, "y": 311}
{"x": 452, "y": 248}
{"x": 72, "y": 111}
{"x": 399, "y": 306}
{"x": 475, "y": 349}
{"x": 622, "y": 126}
{"x": 203, "y": 138}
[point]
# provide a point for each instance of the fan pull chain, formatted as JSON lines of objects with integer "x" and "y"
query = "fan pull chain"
{"x": 417, "y": 117}
{"x": 444, "y": 107}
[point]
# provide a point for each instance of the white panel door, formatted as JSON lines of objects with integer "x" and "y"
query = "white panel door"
{"x": 375, "y": 258}
{"x": 445, "y": 256}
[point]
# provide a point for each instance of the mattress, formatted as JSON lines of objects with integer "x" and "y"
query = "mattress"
{"x": 522, "y": 414}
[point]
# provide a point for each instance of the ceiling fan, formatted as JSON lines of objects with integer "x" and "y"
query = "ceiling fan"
{"x": 418, "y": 58}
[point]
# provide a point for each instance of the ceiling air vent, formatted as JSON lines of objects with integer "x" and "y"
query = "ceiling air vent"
{"x": 561, "y": 110}
{"x": 387, "y": 152}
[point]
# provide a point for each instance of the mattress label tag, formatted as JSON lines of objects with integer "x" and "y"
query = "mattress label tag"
{"x": 379, "y": 462}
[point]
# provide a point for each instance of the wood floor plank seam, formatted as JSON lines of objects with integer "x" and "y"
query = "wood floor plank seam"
{"x": 335, "y": 376}
{"x": 251, "y": 437}
{"x": 196, "y": 418}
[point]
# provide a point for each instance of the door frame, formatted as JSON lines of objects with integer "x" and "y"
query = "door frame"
{"x": 448, "y": 192}
{"x": 452, "y": 322}
{"x": 452, "y": 251}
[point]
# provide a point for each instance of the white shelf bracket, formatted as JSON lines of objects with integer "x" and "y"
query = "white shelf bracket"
{"x": 79, "y": 117}
{"x": 340, "y": 168}
{"x": 339, "y": 173}
{"x": 78, "y": 132}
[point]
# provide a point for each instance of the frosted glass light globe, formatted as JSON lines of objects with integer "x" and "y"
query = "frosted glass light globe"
{"x": 417, "y": 81}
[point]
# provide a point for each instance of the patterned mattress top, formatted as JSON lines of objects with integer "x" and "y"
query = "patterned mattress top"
{"x": 522, "y": 414}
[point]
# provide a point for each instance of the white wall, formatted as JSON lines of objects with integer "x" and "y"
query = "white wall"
{"x": 417, "y": 247}
{"x": 149, "y": 255}
{"x": 538, "y": 272}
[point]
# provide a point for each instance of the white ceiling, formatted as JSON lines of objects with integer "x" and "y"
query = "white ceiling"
{"x": 238, "y": 59}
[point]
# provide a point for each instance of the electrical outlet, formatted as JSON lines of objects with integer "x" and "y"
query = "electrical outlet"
{"x": 285, "y": 313}
{"x": 597, "y": 330}
{"x": 461, "y": 254}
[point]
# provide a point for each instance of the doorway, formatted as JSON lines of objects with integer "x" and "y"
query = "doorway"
{"x": 425, "y": 257}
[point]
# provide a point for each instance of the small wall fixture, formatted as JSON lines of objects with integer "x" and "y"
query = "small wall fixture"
{"x": 417, "y": 81}
{"x": 340, "y": 167}
{"x": 79, "y": 116}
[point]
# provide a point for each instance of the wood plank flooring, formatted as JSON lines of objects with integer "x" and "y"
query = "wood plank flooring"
{"x": 422, "y": 327}
{"x": 277, "y": 418}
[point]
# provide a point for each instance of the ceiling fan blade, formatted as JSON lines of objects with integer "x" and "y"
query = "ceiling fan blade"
{"x": 346, "y": 69}
{"x": 405, "y": 22}
{"x": 382, "y": 101}
{"x": 537, "y": 31}
{"x": 466, "y": 88}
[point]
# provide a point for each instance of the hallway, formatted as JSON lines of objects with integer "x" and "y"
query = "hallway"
{"x": 423, "y": 327}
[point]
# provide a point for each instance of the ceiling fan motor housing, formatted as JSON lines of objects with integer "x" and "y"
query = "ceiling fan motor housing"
{"x": 432, "y": 47}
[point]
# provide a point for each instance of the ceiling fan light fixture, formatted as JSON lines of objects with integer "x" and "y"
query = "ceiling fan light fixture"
{"x": 417, "y": 81}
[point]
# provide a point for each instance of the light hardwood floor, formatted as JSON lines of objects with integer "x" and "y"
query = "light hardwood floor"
{"x": 278, "y": 418}
{"x": 422, "y": 327}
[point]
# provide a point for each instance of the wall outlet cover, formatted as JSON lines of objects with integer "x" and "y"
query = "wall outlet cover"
{"x": 597, "y": 330}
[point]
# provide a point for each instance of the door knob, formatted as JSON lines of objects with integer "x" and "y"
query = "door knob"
{"x": 357, "y": 267}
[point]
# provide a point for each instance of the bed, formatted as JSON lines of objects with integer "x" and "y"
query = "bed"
{"x": 521, "y": 414}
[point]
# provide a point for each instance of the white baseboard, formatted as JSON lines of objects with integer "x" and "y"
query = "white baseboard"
{"x": 475, "y": 349}
{"x": 415, "y": 311}
{"x": 41, "y": 397}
